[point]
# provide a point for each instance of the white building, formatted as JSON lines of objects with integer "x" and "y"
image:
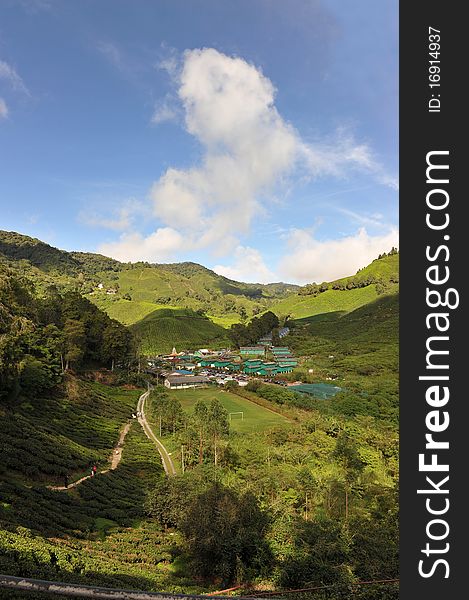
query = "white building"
{"x": 179, "y": 382}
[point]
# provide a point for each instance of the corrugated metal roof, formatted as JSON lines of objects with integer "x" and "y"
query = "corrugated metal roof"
{"x": 187, "y": 379}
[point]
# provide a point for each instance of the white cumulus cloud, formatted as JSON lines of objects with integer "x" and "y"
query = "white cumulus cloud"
{"x": 247, "y": 152}
{"x": 248, "y": 266}
{"x": 159, "y": 246}
{"x": 311, "y": 260}
{"x": 228, "y": 106}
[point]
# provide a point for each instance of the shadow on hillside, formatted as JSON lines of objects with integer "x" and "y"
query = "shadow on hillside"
{"x": 378, "y": 318}
{"x": 321, "y": 318}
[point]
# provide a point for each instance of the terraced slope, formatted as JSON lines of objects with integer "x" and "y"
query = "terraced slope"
{"x": 332, "y": 301}
{"x": 163, "y": 329}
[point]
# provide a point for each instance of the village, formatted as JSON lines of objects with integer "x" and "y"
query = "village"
{"x": 181, "y": 370}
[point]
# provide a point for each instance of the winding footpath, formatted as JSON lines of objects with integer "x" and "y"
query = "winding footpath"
{"x": 115, "y": 460}
{"x": 165, "y": 457}
{"x": 117, "y": 451}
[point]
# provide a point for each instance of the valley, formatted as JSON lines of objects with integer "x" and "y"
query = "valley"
{"x": 269, "y": 489}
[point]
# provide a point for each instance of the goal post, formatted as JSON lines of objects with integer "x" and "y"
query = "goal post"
{"x": 239, "y": 412}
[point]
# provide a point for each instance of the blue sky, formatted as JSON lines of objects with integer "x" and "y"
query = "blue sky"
{"x": 256, "y": 137}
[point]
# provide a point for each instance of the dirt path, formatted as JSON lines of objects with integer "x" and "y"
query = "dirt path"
{"x": 117, "y": 452}
{"x": 165, "y": 457}
{"x": 115, "y": 460}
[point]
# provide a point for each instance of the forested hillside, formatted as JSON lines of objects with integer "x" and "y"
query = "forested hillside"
{"x": 44, "y": 336}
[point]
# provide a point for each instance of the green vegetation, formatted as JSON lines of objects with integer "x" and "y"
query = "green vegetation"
{"x": 384, "y": 271}
{"x": 301, "y": 493}
{"x": 164, "y": 328}
{"x": 243, "y": 335}
{"x": 344, "y": 295}
{"x": 314, "y": 484}
{"x": 127, "y": 312}
{"x": 42, "y": 337}
{"x": 186, "y": 285}
{"x": 330, "y": 301}
{"x": 359, "y": 350}
{"x": 97, "y": 533}
{"x": 256, "y": 417}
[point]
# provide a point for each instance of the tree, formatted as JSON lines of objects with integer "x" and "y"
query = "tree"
{"x": 318, "y": 556}
{"x": 200, "y": 417}
{"x": 116, "y": 344}
{"x": 243, "y": 314}
{"x": 225, "y": 535}
{"x": 75, "y": 342}
{"x": 168, "y": 411}
{"x": 168, "y": 500}
{"x": 35, "y": 377}
{"x": 232, "y": 385}
{"x": 275, "y": 337}
{"x": 218, "y": 424}
{"x": 346, "y": 453}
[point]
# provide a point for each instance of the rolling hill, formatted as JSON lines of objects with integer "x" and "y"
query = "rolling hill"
{"x": 346, "y": 294}
{"x": 184, "y": 285}
{"x": 330, "y": 301}
{"x": 164, "y": 328}
{"x": 166, "y": 304}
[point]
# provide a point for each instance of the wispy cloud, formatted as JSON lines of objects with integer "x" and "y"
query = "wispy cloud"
{"x": 169, "y": 61}
{"x": 165, "y": 110}
{"x": 113, "y": 54}
{"x": 374, "y": 220}
{"x": 35, "y": 6}
{"x": 3, "y": 109}
{"x": 9, "y": 74}
{"x": 121, "y": 218}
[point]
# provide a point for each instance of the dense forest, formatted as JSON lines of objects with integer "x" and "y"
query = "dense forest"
{"x": 43, "y": 337}
{"x": 250, "y": 333}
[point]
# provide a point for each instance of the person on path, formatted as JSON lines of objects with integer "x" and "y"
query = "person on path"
{"x": 66, "y": 481}
{"x": 93, "y": 470}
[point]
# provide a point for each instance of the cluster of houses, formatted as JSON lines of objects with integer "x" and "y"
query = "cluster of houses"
{"x": 222, "y": 366}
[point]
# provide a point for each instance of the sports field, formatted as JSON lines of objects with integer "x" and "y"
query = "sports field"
{"x": 256, "y": 418}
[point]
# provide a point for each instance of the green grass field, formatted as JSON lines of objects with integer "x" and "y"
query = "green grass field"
{"x": 256, "y": 418}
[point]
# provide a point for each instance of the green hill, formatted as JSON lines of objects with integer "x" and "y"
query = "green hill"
{"x": 163, "y": 329}
{"x": 185, "y": 285}
{"x": 330, "y": 301}
{"x": 346, "y": 294}
{"x": 91, "y": 533}
{"x": 127, "y": 527}
{"x": 137, "y": 294}
{"x": 385, "y": 268}
{"x": 360, "y": 350}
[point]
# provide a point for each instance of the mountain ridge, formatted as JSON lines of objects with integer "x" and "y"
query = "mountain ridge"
{"x": 18, "y": 246}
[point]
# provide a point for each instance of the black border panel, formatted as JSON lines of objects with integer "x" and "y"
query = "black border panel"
{"x": 438, "y": 128}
